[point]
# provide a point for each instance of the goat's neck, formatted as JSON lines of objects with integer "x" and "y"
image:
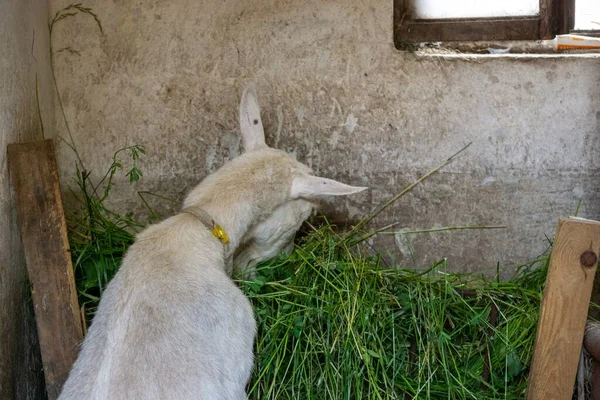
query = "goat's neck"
{"x": 234, "y": 220}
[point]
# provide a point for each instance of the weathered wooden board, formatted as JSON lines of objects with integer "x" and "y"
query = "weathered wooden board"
{"x": 34, "y": 176}
{"x": 564, "y": 310}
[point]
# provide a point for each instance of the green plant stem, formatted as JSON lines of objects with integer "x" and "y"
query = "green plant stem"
{"x": 388, "y": 203}
{"x": 383, "y": 231}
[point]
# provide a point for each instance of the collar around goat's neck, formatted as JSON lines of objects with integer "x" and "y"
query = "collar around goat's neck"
{"x": 209, "y": 222}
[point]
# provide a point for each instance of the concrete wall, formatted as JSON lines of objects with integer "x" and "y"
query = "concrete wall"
{"x": 24, "y": 44}
{"x": 334, "y": 91}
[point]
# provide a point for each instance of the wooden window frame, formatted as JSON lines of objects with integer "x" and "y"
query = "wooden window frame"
{"x": 556, "y": 17}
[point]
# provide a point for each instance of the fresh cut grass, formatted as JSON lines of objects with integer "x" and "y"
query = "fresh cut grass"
{"x": 334, "y": 324}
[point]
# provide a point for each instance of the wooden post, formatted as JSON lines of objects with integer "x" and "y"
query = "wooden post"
{"x": 591, "y": 343}
{"x": 564, "y": 309}
{"x": 595, "y": 395}
{"x": 36, "y": 185}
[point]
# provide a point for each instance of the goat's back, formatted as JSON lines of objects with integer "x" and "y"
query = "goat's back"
{"x": 170, "y": 325}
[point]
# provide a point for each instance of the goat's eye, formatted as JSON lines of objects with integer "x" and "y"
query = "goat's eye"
{"x": 255, "y": 122}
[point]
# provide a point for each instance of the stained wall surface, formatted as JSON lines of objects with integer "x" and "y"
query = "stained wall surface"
{"x": 335, "y": 92}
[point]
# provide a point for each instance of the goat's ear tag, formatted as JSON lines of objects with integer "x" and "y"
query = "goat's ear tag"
{"x": 219, "y": 233}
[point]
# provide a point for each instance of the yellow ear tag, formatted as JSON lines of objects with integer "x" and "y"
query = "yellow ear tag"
{"x": 219, "y": 233}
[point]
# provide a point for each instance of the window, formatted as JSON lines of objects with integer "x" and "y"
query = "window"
{"x": 587, "y": 16}
{"x": 492, "y": 20}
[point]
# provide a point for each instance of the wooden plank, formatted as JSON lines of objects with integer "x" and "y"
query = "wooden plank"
{"x": 548, "y": 18}
{"x": 557, "y": 17}
{"x": 36, "y": 185}
{"x": 564, "y": 309}
{"x": 565, "y": 11}
{"x": 467, "y": 30}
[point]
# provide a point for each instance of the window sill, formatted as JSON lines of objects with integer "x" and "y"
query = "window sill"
{"x": 510, "y": 56}
{"x": 495, "y": 50}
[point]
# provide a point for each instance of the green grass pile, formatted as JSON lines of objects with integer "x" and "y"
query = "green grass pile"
{"x": 337, "y": 324}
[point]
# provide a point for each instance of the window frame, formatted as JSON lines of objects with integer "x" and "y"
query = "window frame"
{"x": 556, "y": 17}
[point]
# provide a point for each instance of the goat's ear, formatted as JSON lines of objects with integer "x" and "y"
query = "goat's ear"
{"x": 253, "y": 134}
{"x": 311, "y": 187}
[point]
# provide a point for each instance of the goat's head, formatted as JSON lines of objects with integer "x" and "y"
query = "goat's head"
{"x": 276, "y": 233}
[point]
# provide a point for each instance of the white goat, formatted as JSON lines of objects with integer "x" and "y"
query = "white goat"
{"x": 171, "y": 324}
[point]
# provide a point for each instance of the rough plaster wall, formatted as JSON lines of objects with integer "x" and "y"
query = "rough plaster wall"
{"x": 23, "y": 56}
{"x": 334, "y": 91}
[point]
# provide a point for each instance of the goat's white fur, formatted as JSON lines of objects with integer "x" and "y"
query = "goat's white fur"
{"x": 171, "y": 324}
